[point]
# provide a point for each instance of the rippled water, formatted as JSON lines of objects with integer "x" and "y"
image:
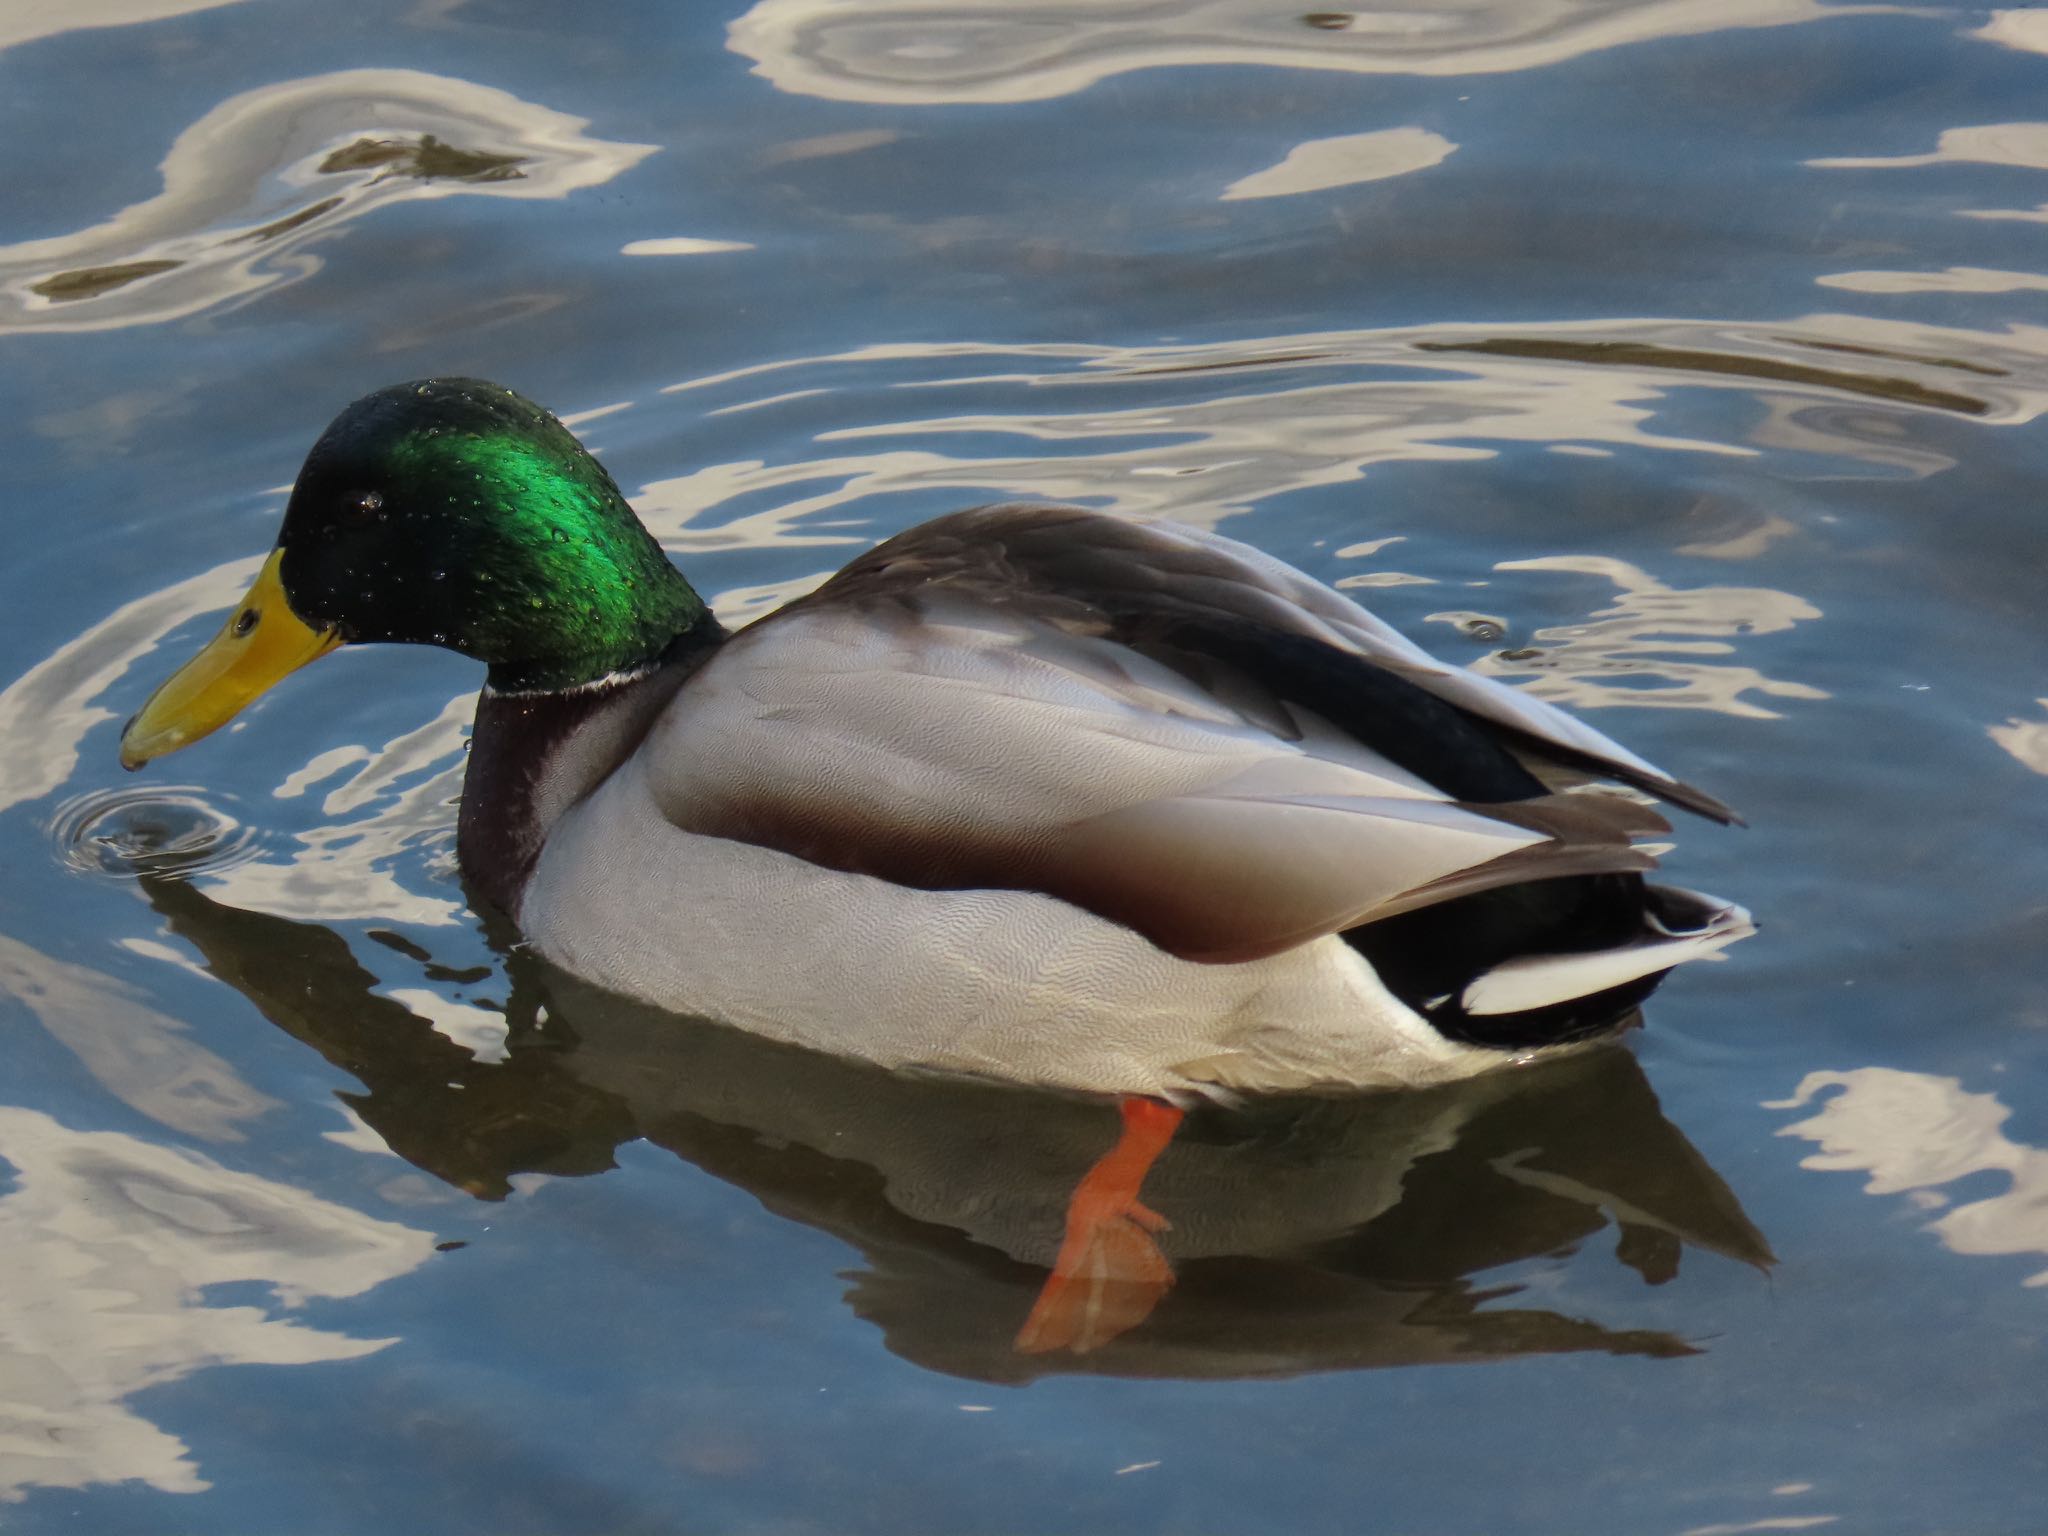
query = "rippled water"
{"x": 1680, "y": 362}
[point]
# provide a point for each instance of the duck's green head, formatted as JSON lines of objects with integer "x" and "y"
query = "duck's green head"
{"x": 445, "y": 512}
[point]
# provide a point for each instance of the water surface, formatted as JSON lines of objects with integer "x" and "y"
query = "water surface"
{"x": 1679, "y": 362}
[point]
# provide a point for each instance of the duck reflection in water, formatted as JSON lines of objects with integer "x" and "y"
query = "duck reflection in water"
{"x": 1305, "y": 1233}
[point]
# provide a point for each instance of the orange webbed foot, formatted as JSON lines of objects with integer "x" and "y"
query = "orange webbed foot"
{"x": 1109, "y": 1274}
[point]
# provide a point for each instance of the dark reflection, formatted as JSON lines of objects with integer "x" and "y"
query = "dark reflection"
{"x": 290, "y": 221}
{"x": 1229, "y": 364}
{"x": 1308, "y": 1234}
{"x": 425, "y": 159}
{"x": 1639, "y": 354}
{"x": 473, "y": 1124}
{"x": 1960, "y": 364}
{"x": 91, "y": 282}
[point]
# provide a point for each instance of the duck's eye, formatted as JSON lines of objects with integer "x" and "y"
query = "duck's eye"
{"x": 363, "y": 503}
{"x": 245, "y": 621}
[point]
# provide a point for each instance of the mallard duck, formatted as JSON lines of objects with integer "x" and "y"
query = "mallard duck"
{"x": 1031, "y": 792}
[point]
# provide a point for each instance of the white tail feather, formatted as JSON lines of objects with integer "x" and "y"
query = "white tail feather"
{"x": 1538, "y": 981}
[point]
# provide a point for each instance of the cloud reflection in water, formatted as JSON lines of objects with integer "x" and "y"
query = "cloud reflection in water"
{"x": 111, "y": 1242}
{"x": 1347, "y": 161}
{"x": 143, "y": 1057}
{"x": 250, "y": 186}
{"x": 2022, "y": 145}
{"x": 28, "y": 23}
{"x": 948, "y": 52}
{"x": 1647, "y": 649}
{"x": 2026, "y": 740}
{"x": 1218, "y": 428}
{"x": 1913, "y": 1133}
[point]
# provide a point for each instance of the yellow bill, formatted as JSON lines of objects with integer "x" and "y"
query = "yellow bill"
{"x": 262, "y": 641}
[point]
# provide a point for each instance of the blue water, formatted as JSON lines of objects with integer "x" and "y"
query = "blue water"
{"x": 1679, "y": 362}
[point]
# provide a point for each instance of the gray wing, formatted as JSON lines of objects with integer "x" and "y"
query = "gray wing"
{"x": 1008, "y": 698}
{"x": 1159, "y": 587}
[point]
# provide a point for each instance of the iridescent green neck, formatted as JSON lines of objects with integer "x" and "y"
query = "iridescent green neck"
{"x": 576, "y": 589}
{"x": 453, "y": 512}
